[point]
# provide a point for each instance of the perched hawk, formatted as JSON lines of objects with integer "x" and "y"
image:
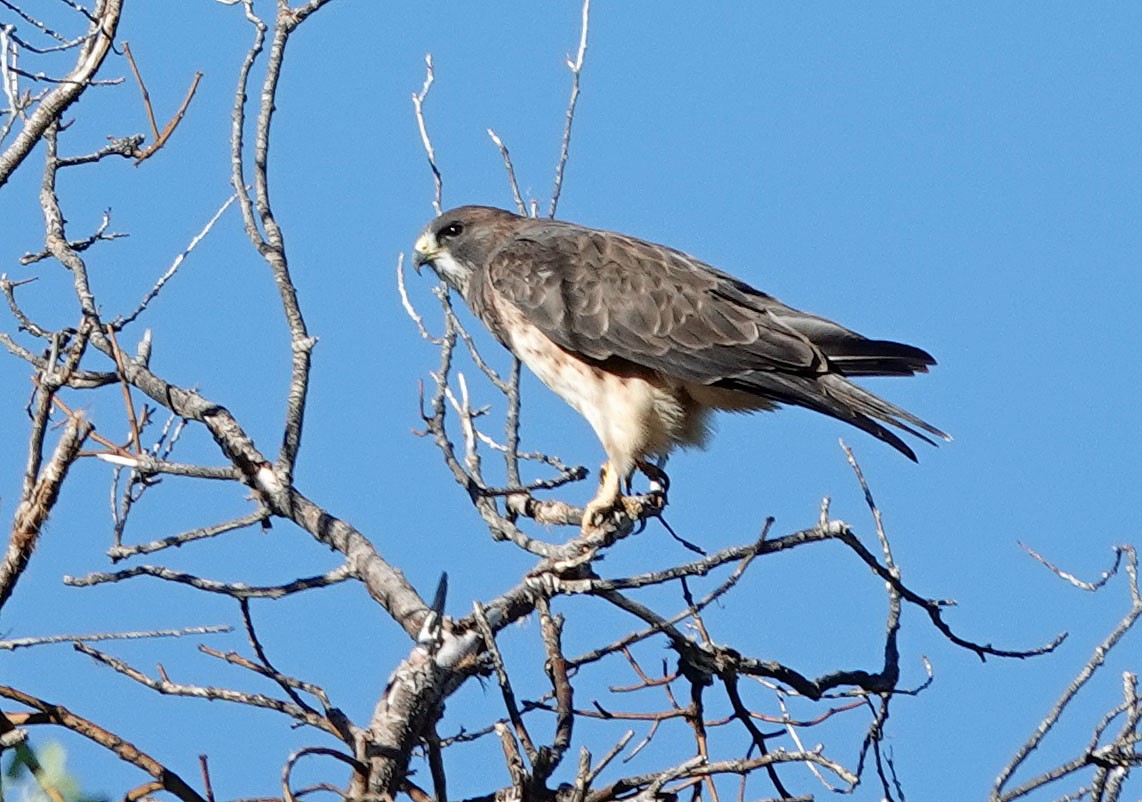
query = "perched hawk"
{"x": 645, "y": 341}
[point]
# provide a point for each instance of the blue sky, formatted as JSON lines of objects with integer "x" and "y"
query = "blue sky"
{"x": 967, "y": 179}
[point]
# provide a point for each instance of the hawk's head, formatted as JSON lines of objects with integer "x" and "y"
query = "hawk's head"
{"x": 461, "y": 239}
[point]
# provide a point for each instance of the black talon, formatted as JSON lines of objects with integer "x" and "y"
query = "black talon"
{"x": 656, "y": 475}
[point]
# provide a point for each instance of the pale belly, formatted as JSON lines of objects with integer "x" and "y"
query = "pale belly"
{"x": 635, "y": 417}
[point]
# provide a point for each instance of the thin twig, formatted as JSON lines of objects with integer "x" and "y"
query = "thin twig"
{"x": 161, "y": 137}
{"x": 142, "y": 88}
{"x": 281, "y": 679}
{"x": 1096, "y": 661}
{"x": 120, "y": 552}
{"x": 1103, "y": 578}
{"x": 505, "y": 684}
{"x": 409, "y": 308}
{"x": 521, "y": 207}
{"x": 25, "y": 643}
{"x": 576, "y": 68}
{"x": 238, "y": 590}
{"x": 418, "y": 99}
{"x": 121, "y": 366}
{"x": 167, "y": 687}
{"x": 175, "y": 265}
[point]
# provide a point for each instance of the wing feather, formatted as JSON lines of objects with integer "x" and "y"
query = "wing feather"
{"x": 606, "y": 295}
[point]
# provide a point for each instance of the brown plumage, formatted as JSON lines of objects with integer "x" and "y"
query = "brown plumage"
{"x": 645, "y": 341}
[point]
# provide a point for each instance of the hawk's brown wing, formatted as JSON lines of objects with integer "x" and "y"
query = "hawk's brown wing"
{"x": 602, "y": 295}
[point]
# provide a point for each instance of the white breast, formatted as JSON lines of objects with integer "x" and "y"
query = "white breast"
{"x": 634, "y": 416}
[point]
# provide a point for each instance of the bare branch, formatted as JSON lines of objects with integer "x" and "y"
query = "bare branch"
{"x": 24, "y": 643}
{"x": 100, "y": 234}
{"x": 1092, "y": 755}
{"x": 161, "y": 137}
{"x": 119, "y": 552}
{"x": 505, "y": 685}
{"x": 576, "y": 68}
{"x": 409, "y": 308}
{"x": 175, "y": 265}
{"x": 418, "y": 99}
{"x": 556, "y": 666}
{"x": 269, "y": 241}
{"x": 61, "y": 716}
{"x": 165, "y": 686}
{"x": 287, "y": 684}
{"x": 36, "y": 505}
{"x": 237, "y": 590}
{"x": 521, "y": 207}
{"x": 287, "y": 771}
{"x": 105, "y": 21}
{"x": 1103, "y": 578}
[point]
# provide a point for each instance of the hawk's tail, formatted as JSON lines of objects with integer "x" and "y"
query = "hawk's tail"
{"x": 863, "y": 409}
{"x": 861, "y": 357}
{"x": 836, "y": 396}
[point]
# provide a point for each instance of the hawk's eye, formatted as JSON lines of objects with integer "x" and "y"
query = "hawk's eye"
{"x": 449, "y": 231}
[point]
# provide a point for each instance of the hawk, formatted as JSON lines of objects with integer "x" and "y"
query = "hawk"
{"x": 646, "y": 342}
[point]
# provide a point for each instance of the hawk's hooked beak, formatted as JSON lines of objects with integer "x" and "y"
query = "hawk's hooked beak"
{"x": 425, "y": 250}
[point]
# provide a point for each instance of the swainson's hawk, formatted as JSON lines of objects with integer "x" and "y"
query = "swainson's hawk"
{"x": 645, "y": 341}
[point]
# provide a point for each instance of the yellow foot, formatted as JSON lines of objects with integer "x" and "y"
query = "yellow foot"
{"x": 634, "y": 508}
{"x": 594, "y": 514}
{"x": 609, "y": 500}
{"x": 605, "y": 501}
{"x": 599, "y": 511}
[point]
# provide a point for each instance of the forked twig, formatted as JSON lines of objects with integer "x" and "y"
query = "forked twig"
{"x": 1091, "y": 756}
{"x": 161, "y": 137}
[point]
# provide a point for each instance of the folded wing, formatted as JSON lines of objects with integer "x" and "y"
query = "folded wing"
{"x": 604, "y": 296}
